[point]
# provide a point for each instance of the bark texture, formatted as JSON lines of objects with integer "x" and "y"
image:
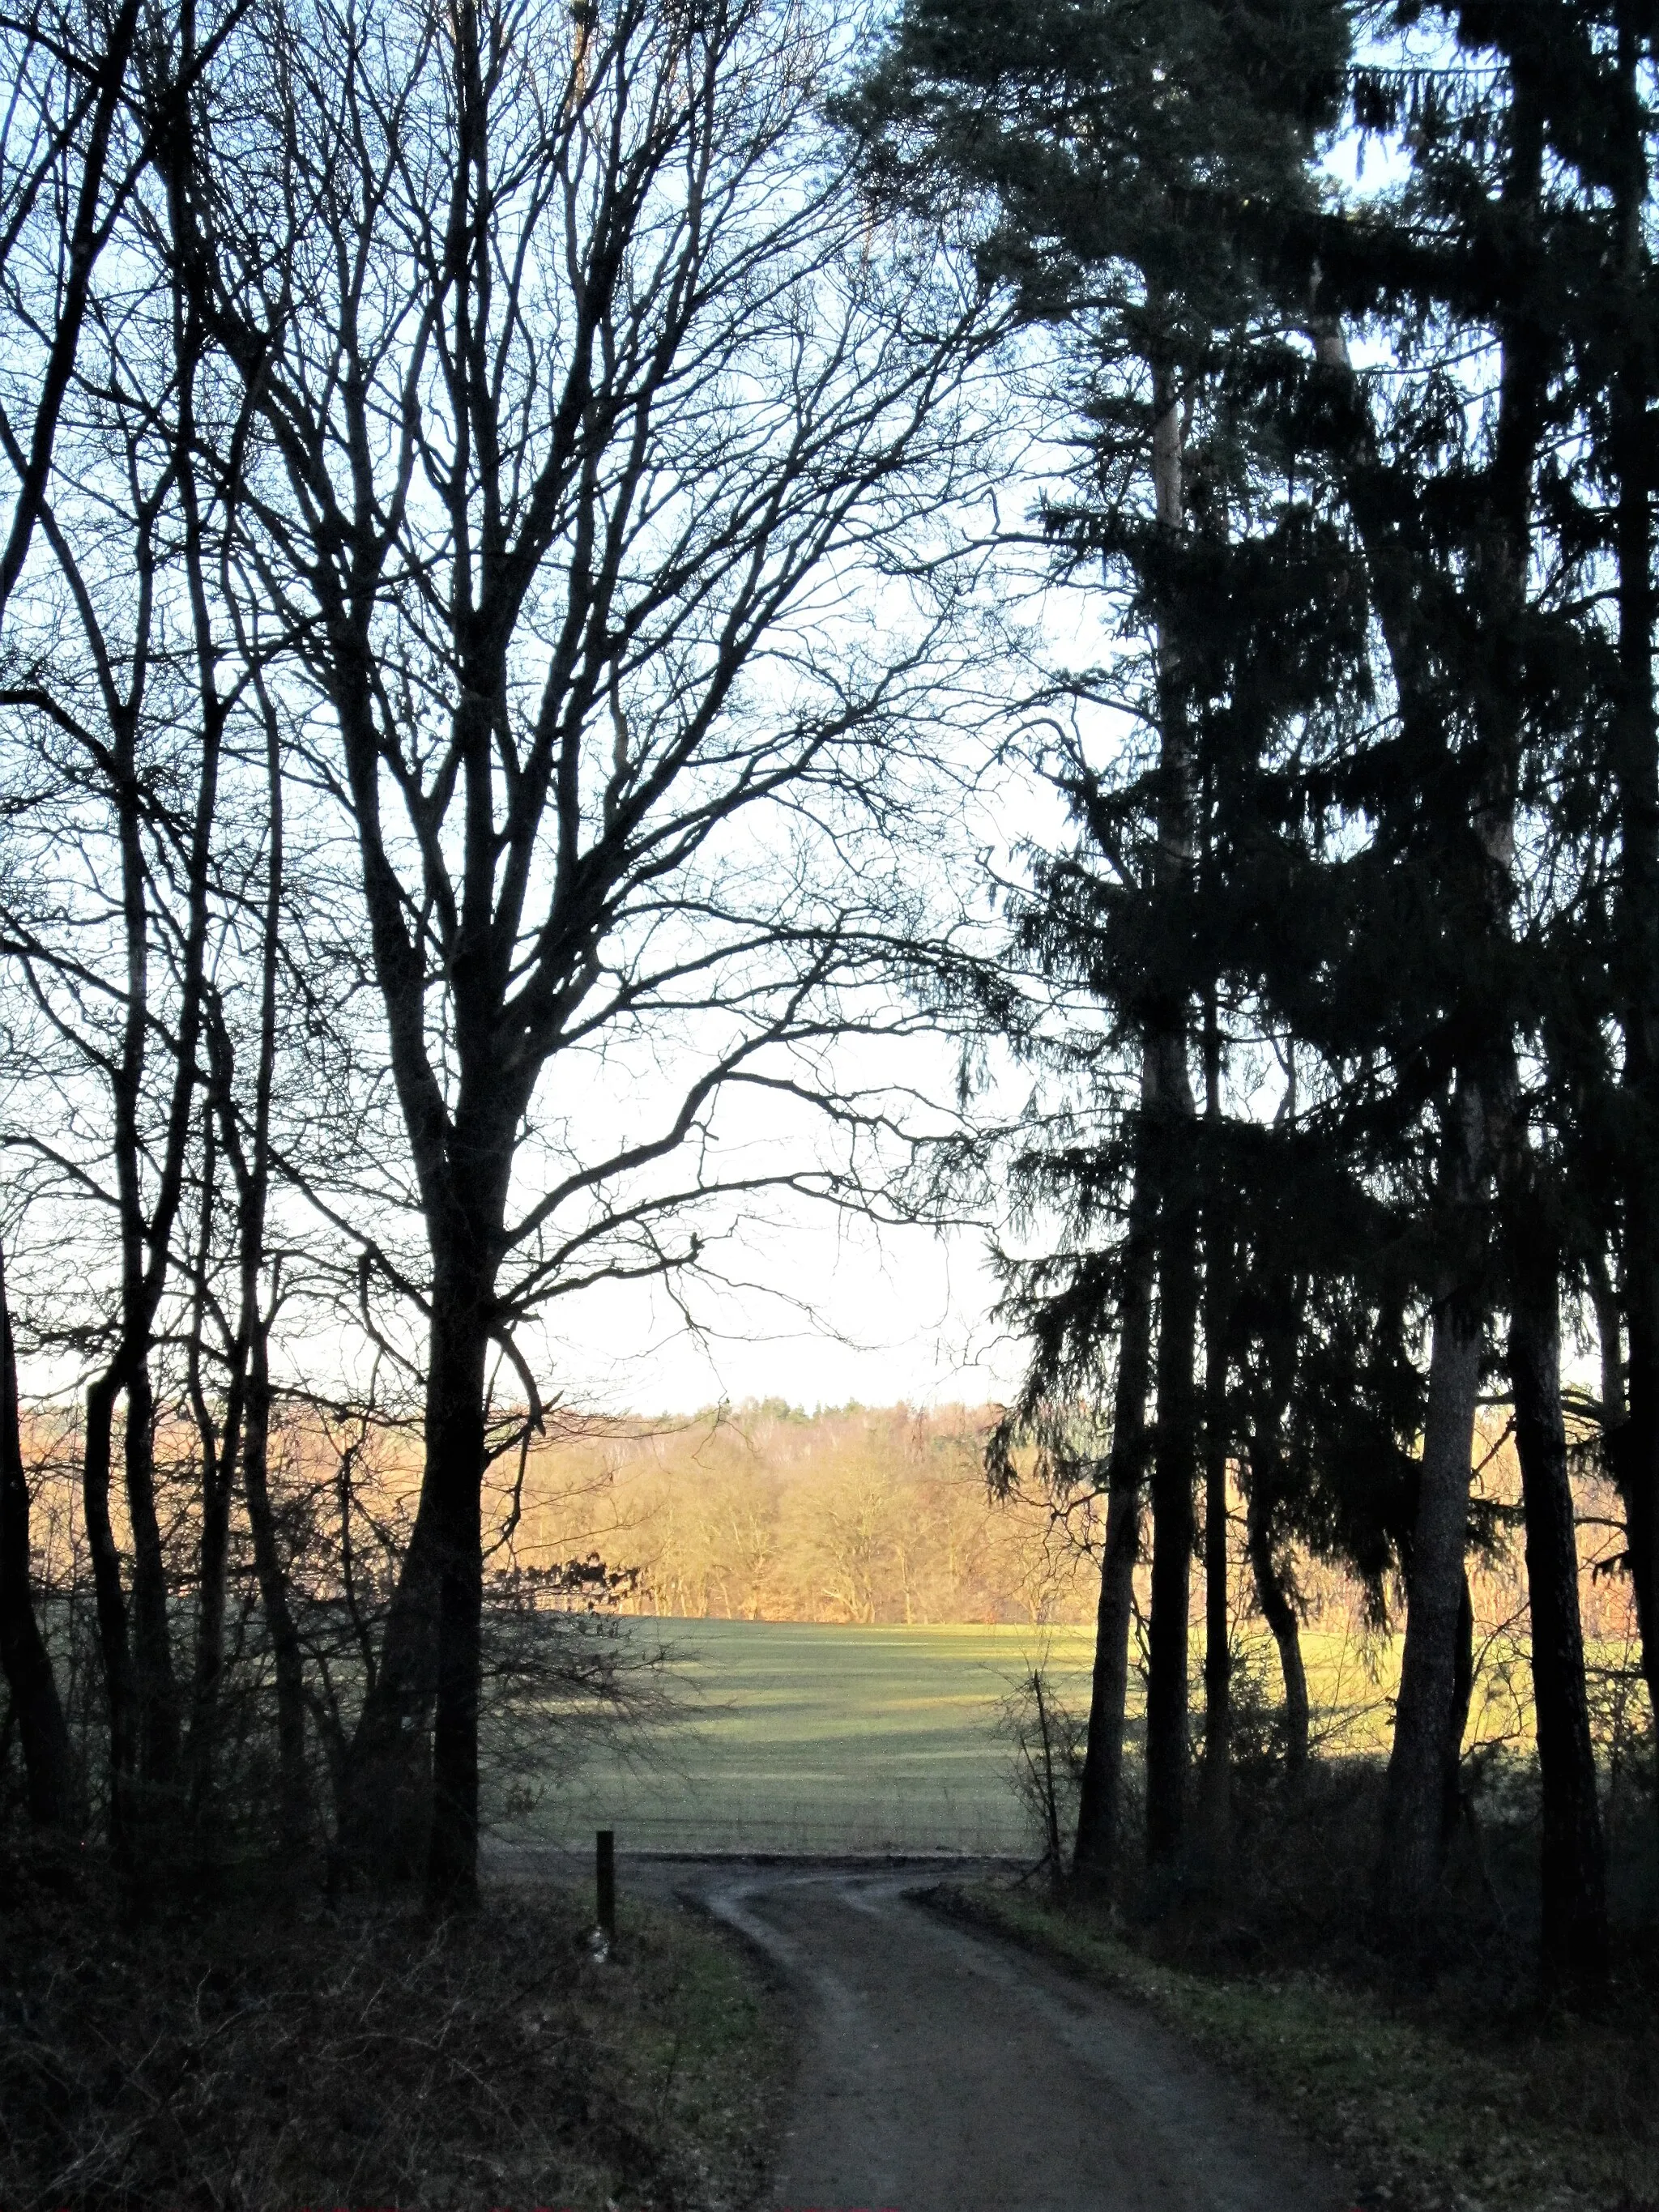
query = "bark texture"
{"x": 1279, "y": 1611}
{"x": 1099, "y": 1805}
{"x": 1636, "y": 776}
{"x": 49, "y": 1766}
{"x": 1175, "y": 1455}
{"x": 1216, "y": 1783}
{"x": 1413, "y": 1817}
{"x": 293, "y": 1807}
{"x": 1573, "y": 1946}
{"x": 1175, "y": 1458}
{"x": 455, "y": 1459}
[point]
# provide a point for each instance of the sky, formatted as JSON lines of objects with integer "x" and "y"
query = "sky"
{"x": 841, "y": 1311}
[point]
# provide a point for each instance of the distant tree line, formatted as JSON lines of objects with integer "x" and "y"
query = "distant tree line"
{"x": 1345, "y": 987}
{"x": 859, "y": 1515}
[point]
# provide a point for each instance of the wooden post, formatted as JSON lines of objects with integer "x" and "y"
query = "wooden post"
{"x": 604, "y": 1867}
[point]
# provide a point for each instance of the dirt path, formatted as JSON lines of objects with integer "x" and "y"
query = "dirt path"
{"x": 942, "y": 2071}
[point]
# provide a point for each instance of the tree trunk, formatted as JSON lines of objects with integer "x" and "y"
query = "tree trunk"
{"x": 1095, "y": 1853}
{"x": 1573, "y": 1882}
{"x": 111, "y": 1606}
{"x": 1409, "y": 1870}
{"x": 1279, "y": 1613}
{"x": 455, "y": 1462}
{"x": 1413, "y": 1839}
{"x": 1610, "y": 1347}
{"x": 1216, "y": 1786}
{"x": 1174, "y": 1465}
{"x": 252, "y": 1169}
{"x": 220, "y": 1443}
{"x": 1636, "y": 1458}
{"x": 1458, "y": 1727}
{"x": 384, "y": 1803}
{"x": 54, "y": 1797}
{"x": 144, "y": 1702}
{"x": 1175, "y": 1450}
{"x": 293, "y": 1809}
{"x": 213, "y": 1554}
{"x": 1217, "y": 1628}
{"x": 155, "y": 1684}
{"x": 1636, "y": 773}
{"x": 1573, "y": 1951}
{"x": 410, "y": 1797}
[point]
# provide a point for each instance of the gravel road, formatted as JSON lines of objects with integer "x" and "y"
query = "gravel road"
{"x": 945, "y": 2072}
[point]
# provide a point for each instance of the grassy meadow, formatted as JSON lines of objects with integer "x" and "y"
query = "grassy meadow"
{"x": 800, "y": 1736}
{"x": 795, "y": 1735}
{"x": 808, "y": 1736}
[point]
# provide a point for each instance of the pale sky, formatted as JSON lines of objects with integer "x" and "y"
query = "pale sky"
{"x": 835, "y": 1311}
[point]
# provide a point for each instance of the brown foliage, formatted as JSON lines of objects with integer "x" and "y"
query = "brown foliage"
{"x": 762, "y": 1512}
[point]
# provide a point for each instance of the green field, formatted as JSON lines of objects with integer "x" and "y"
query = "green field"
{"x": 796, "y": 1737}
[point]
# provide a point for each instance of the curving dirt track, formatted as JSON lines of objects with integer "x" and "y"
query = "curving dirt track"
{"x": 944, "y": 2071}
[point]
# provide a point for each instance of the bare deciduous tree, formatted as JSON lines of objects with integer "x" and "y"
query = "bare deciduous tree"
{"x": 584, "y": 397}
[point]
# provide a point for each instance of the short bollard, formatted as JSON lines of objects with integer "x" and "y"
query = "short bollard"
{"x": 604, "y": 1869}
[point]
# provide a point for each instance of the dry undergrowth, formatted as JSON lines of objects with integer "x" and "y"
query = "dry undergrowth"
{"x": 266, "y": 2053}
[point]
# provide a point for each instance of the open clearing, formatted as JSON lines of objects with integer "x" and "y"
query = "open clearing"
{"x": 802, "y": 1737}
{"x": 799, "y": 1736}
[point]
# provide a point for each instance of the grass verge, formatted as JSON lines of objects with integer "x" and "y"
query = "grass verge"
{"x": 270, "y": 2053}
{"x": 1540, "y": 2115}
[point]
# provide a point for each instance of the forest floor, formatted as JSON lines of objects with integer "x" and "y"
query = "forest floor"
{"x": 1436, "y": 2104}
{"x": 263, "y": 2049}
